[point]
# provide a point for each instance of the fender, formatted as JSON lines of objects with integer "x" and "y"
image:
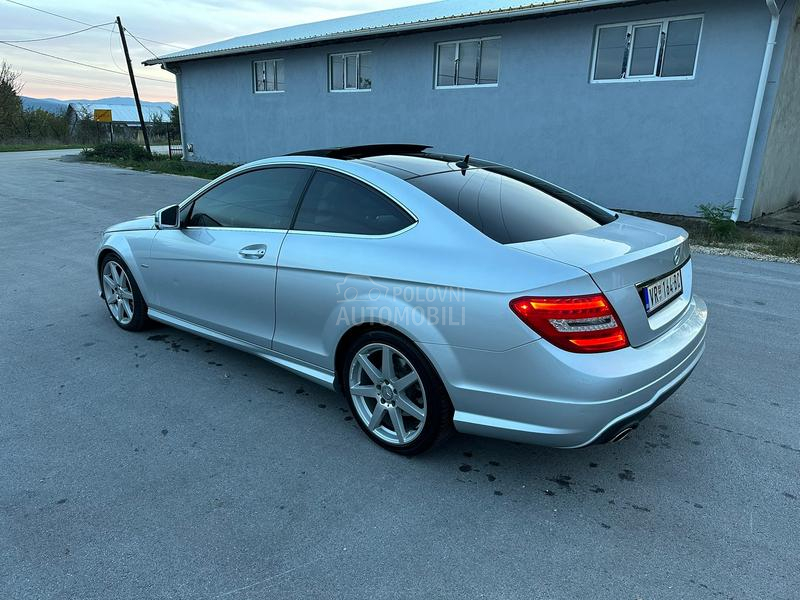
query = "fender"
{"x": 133, "y": 247}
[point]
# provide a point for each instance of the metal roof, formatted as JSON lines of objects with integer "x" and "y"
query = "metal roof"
{"x": 123, "y": 113}
{"x": 409, "y": 18}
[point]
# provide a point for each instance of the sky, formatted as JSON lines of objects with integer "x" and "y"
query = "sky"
{"x": 185, "y": 24}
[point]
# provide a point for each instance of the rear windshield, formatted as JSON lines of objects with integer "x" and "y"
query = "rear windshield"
{"x": 510, "y": 206}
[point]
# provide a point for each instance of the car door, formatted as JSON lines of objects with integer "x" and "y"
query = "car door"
{"x": 218, "y": 270}
{"x": 343, "y": 236}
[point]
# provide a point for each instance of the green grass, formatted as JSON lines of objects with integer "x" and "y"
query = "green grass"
{"x": 164, "y": 164}
{"x": 26, "y": 147}
{"x": 742, "y": 237}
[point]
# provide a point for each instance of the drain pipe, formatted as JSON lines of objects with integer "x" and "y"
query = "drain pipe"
{"x": 762, "y": 86}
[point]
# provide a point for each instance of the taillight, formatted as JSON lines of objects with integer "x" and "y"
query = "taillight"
{"x": 576, "y": 323}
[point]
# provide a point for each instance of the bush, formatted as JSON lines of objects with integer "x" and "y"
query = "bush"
{"x": 117, "y": 151}
{"x": 718, "y": 220}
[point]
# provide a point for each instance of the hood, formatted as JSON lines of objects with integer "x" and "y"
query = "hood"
{"x": 137, "y": 224}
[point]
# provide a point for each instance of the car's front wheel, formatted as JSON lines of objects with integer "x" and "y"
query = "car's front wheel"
{"x": 395, "y": 394}
{"x": 123, "y": 298}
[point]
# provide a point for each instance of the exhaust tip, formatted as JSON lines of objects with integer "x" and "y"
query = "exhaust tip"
{"x": 622, "y": 434}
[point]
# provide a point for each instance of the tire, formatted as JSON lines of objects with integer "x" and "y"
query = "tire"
{"x": 121, "y": 294}
{"x": 396, "y": 399}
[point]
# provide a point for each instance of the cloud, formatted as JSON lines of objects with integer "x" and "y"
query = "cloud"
{"x": 187, "y": 24}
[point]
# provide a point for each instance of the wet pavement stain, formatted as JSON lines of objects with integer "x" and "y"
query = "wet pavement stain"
{"x": 158, "y": 337}
{"x": 627, "y": 475}
{"x": 564, "y": 482}
{"x": 465, "y": 468}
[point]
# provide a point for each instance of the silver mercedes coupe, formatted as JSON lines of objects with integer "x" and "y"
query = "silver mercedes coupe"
{"x": 436, "y": 292}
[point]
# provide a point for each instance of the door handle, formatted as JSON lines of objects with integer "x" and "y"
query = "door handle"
{"x": 253, "y": 252}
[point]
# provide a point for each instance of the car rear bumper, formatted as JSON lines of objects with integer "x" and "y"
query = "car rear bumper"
{"x": 537, "y": 393}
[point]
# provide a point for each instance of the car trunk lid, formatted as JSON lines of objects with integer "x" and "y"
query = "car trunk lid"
{"x": 621, "y": 257}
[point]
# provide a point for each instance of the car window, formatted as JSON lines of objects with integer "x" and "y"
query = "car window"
{"x": 261, "y": 199}
{"x": 510, "y": 206}
{"x": 337, "y": 204}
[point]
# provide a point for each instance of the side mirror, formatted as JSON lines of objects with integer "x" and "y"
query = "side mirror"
{"x": 169, "y": 217}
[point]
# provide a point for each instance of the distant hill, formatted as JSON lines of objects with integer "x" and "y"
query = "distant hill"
{"x": 56, "y": 106}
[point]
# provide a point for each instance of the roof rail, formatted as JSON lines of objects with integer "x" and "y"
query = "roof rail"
{"x": 351, "y": 152}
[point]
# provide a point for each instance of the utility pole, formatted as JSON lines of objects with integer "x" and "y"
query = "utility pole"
{"x": 133, "y": 84}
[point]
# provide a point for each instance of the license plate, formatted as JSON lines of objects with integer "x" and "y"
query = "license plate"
{"x": 660, "y": 292}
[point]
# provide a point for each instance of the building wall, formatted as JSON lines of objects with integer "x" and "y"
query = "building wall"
{"x": 662, "y": 146}
{"x": 779, "y": 182}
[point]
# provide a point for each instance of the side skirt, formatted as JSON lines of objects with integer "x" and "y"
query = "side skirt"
{"x": 313, "y": 373}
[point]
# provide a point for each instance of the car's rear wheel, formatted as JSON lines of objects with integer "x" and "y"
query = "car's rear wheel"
{"x": 395, "y": 394}
{"x": 121, "y": 294}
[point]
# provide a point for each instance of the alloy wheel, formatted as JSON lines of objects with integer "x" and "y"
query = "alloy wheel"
{"x": 387, "y": 393}
{"x": 117, "y": 292}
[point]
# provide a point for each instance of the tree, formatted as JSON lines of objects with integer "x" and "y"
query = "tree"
{"x": 10, "y": 102}
{"x": 175, "y": 120}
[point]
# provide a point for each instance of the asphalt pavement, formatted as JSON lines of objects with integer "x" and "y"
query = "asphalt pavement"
{"x": 160, "y": 465}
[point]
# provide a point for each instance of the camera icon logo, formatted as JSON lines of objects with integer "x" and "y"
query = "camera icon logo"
{"x": 348, "y": 288}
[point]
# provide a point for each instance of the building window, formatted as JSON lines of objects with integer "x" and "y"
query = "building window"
{"x": 268, "y": 76}
{"x": 647, "y": 50}
{"x": 468, "y": 63}
{"x": 351, "y": 72}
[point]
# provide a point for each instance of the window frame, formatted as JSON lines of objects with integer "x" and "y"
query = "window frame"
{"x": 358, "y": 180}
{"x": 274, "y": 62}
{"x": 192, "y": 200}
{"x": 632, "y": 25}
{"x": 458, "y": 43}
{"x": 344, "y": 55}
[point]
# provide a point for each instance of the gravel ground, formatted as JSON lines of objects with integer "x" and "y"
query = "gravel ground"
{"x": 744, "y": 252}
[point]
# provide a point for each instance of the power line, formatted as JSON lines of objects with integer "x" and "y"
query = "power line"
{"x": 141, "y": 44}
{"x": 75, "y": 62}
{"x": 111, "y": 46}
{"x": 52, "y": 14}
{"x": 54, "y": 37}
{"x": 120, "y": 90}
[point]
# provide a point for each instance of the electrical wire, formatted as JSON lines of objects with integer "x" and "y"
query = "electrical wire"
{"x": 55, "y": 37}
{"x": 111, "y": 46}
{"x": 52, "y": 14}
{"x": 141, "y": 44}
{"x": 82, "y": 64}
{"x": 121, "y": 90}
